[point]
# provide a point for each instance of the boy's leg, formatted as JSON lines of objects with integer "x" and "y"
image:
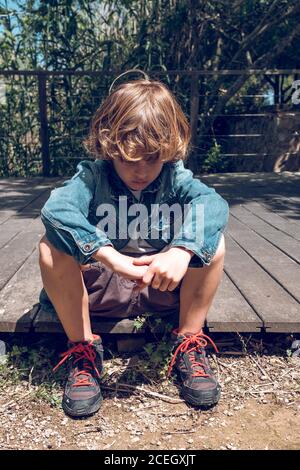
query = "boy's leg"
{"x": 197, "y": 291}
{"x": 198, "y": 384}
{"x": 63, "y": 282}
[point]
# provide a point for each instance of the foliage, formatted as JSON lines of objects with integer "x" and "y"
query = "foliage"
{"x": 156, "y": 356}
{"x": 140, "y": 321}
{"x": 215, "y": 161}
{"x": 158, "y": 352}
{"x": 113, "y": 36}
{"x": 30, "y": 363}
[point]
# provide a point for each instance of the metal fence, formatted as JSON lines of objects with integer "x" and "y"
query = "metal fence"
{"x": 44, "y": 115}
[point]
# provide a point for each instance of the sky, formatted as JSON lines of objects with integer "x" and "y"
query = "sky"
{"x": 11, "y": 5}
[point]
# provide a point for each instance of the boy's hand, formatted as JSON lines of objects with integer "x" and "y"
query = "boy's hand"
{"x": 165, "y": 270}
{"x": 120, "y": 263}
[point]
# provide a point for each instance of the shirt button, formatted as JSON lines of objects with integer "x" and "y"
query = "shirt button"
{"x": 87, "y": 247}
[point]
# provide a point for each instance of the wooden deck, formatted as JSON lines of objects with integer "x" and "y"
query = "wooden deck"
{"x": 260, "y": 288}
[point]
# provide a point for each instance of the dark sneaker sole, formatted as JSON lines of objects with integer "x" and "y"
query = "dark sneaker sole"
{"x": 205, "y": 399}
{"x": 80, "y": 413}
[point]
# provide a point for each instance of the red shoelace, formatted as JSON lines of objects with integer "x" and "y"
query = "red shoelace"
{"x": 199, "y": 341}
{"x": 85, "y": 352}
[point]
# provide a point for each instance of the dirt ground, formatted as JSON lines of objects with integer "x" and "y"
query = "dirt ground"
{"x": 259, "y": 406}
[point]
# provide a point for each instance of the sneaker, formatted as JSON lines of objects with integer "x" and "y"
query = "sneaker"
{"x": 82, "y": 394}
{"x": 199, "y": 387}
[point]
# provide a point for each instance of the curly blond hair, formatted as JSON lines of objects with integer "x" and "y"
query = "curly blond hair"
{"x": 141, "y": 119}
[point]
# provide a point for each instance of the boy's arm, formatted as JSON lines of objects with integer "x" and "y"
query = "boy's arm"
{"x": 65, "y": 216}
{"x": 199, "y": 233}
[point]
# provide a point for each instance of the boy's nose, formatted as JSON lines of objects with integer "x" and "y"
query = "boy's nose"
{"x": 141, "y": 172}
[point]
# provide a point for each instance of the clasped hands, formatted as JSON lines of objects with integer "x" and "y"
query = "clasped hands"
{"x": 162, "y": 271}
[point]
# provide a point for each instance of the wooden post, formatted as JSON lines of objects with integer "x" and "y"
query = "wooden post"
{"x": 194, "y": 109}
{"x": 44, "y": 138}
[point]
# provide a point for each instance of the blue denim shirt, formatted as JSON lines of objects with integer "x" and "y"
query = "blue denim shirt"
{"x": 72, "y": 224}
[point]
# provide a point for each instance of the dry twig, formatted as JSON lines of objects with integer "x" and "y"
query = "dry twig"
{"x": 182, "y": 431}
{"x": 14, "y": 402}
{"x": 127, "y": 388}
{"x": 260, "y": 368}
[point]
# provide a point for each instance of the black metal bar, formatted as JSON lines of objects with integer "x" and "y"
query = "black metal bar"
{"x": 42, "y": 80}
{"x": 194, "y": 113}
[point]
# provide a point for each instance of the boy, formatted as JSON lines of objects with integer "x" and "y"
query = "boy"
{"x": 97, "y": 257}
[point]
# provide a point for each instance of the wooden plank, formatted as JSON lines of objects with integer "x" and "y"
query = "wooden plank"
{"x": 30, "y": 210}
{"x": 230, "y": 311}
{"x": 19, "y": 298}
{"x": 14, "y": 253}
{"x": 10, "y": 229}
{"x": 277, "y": 308}
{"x": 240, "y": 188}
{"x": 33, "y": 209}
{"x": 274, "y": 219}
{"x": 45, "y": 321}
{"x": 286, "y": 207}
{"x": 20, "y": 183}
{"x": 48, "y": 321}
{"x": 16, "y": 222}
{"x": 273, "y": 198}
{"x": 289, "y": 245}
{"x": 287, "y": 181}
{"x": 14, "y": 181}
{"x": 279, "y": 266}
{"x": 21, "y": 193}
{"x": 239, "y": 304}
{"x": 5, "y": 215}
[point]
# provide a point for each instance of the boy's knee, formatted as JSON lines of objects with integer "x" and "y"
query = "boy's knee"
{"x": 48, "y": 253}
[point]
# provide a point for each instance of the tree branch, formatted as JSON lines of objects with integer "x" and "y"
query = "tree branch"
{"x": 261, "y": 61}
{"x": 263, "y": 27}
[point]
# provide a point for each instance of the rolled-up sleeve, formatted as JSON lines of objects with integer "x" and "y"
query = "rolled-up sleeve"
{"x": 214, "y": 211}
{"x": 65, "y": 216}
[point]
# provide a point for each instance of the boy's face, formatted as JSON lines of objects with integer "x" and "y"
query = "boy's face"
{"x": 138, "y": 175}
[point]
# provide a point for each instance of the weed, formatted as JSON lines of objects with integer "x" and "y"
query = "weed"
{"x": 215, "y": 161}
{"x": 244, "y": 343}
{"x": 31, "y": 361}
{"x": 49, "y": 394}
{"x": 159, "y": 352}
{"x": 140, "y": 321}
